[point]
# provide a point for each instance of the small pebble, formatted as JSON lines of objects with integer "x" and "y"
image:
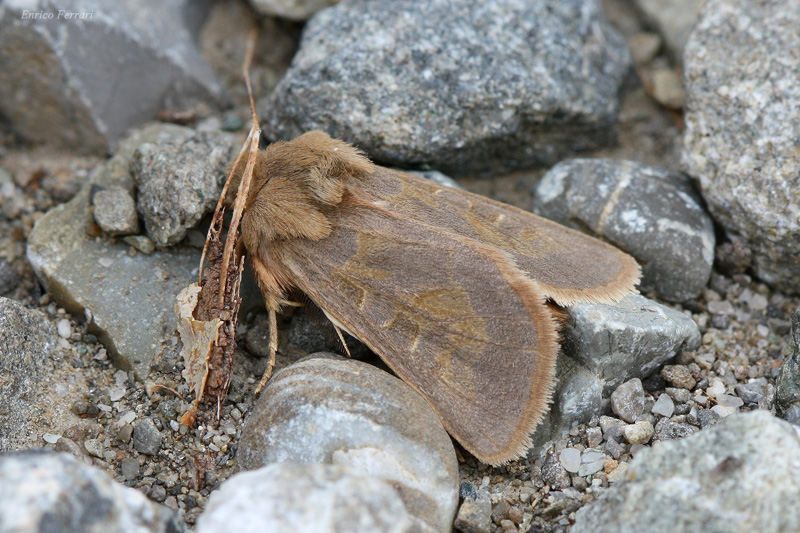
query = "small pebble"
{"x": 51, "y": 438}
{"x": 679, "y": 376}
{"x": 668, "y": 88}
{"x": 679, "y": 395}
{"x": 724, "y": 411}
{"x": 627, "y": 401}
{"x": 64, "y": 328}
{"x": 727, "y": 400}
{"x": 751, "y": 392}
{"x": 594, "y": 436}
{"x": 618, "y": 473}
{"x": 639, "y": 432}
{"x": 94, "y": 447}
{"x": 716, "y": 388}
{"x": 129, "y": 468}
{"x": 146, "y": 437}
{"x": 570, "y": 459}
{"x": 663, "y": 406}
{"x": 591, "y": 462}
{"x": 614, "y": 448}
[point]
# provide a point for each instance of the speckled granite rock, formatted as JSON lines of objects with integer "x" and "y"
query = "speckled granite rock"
{"x": 68, "y": 90}
{"x": 605, "y": 345}
{"x": 130, "y": 298}
{"x": 651, "y": 213}
{"x": 738, "y": 476}
{"x": 306, "y": 498}
{"x": 742, "y": 77}
{"x": 27, "y": 338}
{"x": 42, "y": 491}
{"x": 460, "y": 86}
{"x": 179, "y": 179}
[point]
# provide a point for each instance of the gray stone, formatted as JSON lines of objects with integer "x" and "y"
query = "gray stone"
{"x": 673, "y": 19}
{"x": 12, "y": 198}
{"x": 179, "y": 180}
{"x": 129, "y": 468}
{"x": 146, "y": 437}
{"x": 570, "y": 459}
{"x": 475, "y": 514}
{"x": 787, "y": 385}
{"x": 651, "y": 213}
{"x": 591, "y": 462}
{"x": 627, "y": 400}
{"x": 115, "y": 211}
{"x": 68, "y": 90}
{"x": 644, "y": 47}
{"x": 291, "y": 9}
{"x": 436, "y": 177}
{"x": 735, "y": 477}
{"x": 9, "y": 278}
{"x": 639, "y": 432}
{"x": 306, "y": 497}
{"x": 666, "y": 429}
{"x": 326, "y": 409}
{"x": 460, "y": 86}
{"x": 679, "y": 376}
{"x": 751, "y": 392}
{"x": 679, "y": 395}
{"x": 603, "y": 346}
{"x": 668, "y": 88}
{"x": 94, "y": 447}
{"x": 44, "y": 491}
{"x": 27, "y": 339}
{"x": 553, "y": 473}
{"x": 742, "y": 84}
{"x": 141, "y": 242}
{"x": 664, "y": 406}
{"x": 707, "y": 417}
{"x": 130, "y": 299}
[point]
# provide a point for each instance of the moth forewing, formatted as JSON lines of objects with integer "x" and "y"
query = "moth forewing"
{"x": 450, "y": 289}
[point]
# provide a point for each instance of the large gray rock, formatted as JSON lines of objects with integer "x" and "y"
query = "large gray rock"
{"x": 742, "y": 77}
{"x": 461, "y": 86}
{"x": 291, "y": 9}
{"x": 80, "y": 82}
{"x": 130, "y": 298}
{"x": 651, "y": 213}
{"x": 306, "y": 498}
{"x": 787, "y": 386}
{"x": 605, "y": 345}
{"x": 326, "y": 409}
{"x": 27, "y": 338}
{"x": 179, "y": 180}
{"x": 43, "y": 492}
{"x": 742, "y": 475}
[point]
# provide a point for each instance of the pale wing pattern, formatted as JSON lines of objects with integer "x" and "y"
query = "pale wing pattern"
{"x": 454, "y": 318}
{"x": 568, "y": 265}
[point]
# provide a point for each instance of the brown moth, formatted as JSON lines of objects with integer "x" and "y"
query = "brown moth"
{"x": 449, "y": 288}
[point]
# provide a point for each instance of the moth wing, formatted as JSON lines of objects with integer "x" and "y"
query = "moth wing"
{"x": 454, "y": 318}
{"x": 569, "y": 266}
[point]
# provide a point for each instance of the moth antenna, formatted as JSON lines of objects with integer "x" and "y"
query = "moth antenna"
{"x": 244, "y": 184}
{"x": 249, "y": 147}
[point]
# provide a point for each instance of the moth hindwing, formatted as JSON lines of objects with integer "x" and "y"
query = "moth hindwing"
{"x": 449, "y": 288}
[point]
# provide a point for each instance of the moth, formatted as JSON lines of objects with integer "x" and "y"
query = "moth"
{"x": 449, "y": 288}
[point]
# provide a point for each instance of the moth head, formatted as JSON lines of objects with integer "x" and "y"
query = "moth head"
{"x": 315, "y": 163}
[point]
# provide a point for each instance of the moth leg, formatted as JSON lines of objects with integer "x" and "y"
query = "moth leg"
{"x": 341, "y": 339}
{"x": 272, "y": 348}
